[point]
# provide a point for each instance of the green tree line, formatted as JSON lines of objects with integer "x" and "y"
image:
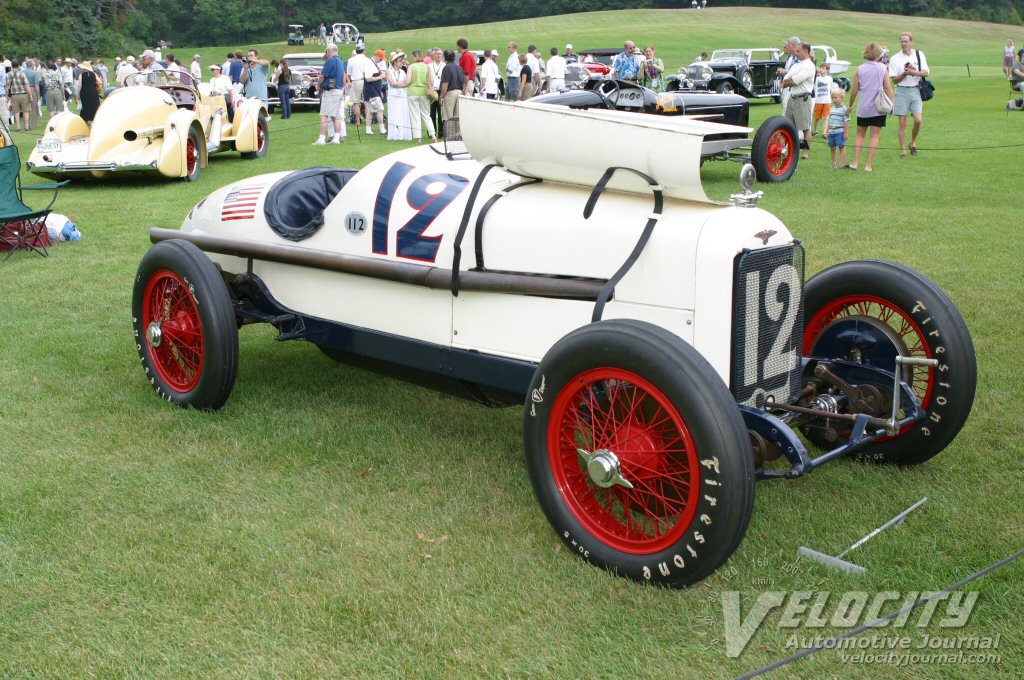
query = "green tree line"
{"x": 90, "y": 27}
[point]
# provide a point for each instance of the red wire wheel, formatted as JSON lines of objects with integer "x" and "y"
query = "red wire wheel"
{"x": 174, "y": 331}
{"x": 186, "y": 331}
{"x": 781, "y": 152}
{"x": 773, "y": 152}
{"x": 193, "y": 161}
{"x": 920, "y": 320}
{"x": 261, "y": 136}
{"x": 191, "y": 156}
{"x": 637, "y": 453}
{"x": 615, "y": 410}
{"x": 898, "y": 325}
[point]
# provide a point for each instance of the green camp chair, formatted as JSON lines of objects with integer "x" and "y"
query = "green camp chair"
{"x": 20, "y": 224}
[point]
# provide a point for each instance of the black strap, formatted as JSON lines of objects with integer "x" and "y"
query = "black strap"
{"x": 465, "y": 223}
{"x": 645, "y": 236}
{"x": 479, "y": 235}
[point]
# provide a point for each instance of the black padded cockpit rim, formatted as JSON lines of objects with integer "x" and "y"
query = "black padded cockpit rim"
{"x": 314, "y": 188}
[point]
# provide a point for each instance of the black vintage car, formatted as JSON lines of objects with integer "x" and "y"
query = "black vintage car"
{"x": 773, "y": 150}
{"x": 752, "y": 72}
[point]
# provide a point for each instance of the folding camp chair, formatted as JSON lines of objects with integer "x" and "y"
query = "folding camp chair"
{"x": 20, "y": 225}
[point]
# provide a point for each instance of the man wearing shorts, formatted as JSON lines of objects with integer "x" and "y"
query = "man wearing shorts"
{"x": 906, "y": 68}
{"x": 358, "y": 66}
{"x": 799, "y": 81}
{"x": 332, "y": 96}
{"x": 373, "y": 93}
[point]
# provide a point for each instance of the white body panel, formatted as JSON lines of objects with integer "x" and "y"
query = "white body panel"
{"x": 682, "y": 280}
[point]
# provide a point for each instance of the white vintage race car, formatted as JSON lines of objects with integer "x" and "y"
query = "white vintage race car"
{"x": 664, "y": 345}
{"x": 161, "y": 122}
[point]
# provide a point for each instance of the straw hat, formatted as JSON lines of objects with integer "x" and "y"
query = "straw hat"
{"x": 85, "y": 66}
{"x": 396, "y": 55}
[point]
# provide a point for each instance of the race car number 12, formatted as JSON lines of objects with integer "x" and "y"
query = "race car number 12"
{"x": 411, "y": 243}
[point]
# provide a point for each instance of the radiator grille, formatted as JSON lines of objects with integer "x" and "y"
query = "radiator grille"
{"x": 767, "y": 324}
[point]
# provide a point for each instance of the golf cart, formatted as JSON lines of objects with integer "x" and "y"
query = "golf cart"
{"x": 295, "y": 35}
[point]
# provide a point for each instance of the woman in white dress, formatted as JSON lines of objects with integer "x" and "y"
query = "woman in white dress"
{"x": 399, "y": 126}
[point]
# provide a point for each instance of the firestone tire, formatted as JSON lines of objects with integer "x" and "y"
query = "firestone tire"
{"x": 262, "y": 139}
{"x": 642, "y": 404}
{"x": 184, "y": 323}
{"x": 193, "y": 155}
{"x": 922, "y": 321}
{"x": 774, "y": 150}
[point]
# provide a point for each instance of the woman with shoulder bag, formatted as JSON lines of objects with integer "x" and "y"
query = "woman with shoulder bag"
{"x": 869, "y": 82}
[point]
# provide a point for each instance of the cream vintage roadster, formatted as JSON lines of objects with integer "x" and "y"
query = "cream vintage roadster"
{"x": 161, "y": 123}
{"x": 664, "y": 347}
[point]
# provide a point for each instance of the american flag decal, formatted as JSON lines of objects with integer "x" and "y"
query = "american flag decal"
{"x": 240, "y": 203}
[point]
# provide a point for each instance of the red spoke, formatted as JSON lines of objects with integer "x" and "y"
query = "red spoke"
{"x": 621, "y": 412}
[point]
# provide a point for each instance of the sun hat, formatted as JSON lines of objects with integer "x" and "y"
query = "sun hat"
{"x": 396, "y": 55}
{"x": 197, "y": 56}
{"x": 86, "y": 66}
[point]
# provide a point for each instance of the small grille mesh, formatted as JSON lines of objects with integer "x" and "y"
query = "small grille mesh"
{"x": 767, "y": 324}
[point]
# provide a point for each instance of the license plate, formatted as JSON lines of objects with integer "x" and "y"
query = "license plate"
{"x": 48, "y": 145}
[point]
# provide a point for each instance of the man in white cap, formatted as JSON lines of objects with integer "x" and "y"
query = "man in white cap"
{"x": 196, "y": 69}
{"x": 221, "y": 84}
{"x": 358, "y": 66}
{"x": 570, "y": 56}
{"x": 127, "y": 68}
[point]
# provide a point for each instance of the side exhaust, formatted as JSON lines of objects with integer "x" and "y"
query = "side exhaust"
{"x": 155, "y": 131}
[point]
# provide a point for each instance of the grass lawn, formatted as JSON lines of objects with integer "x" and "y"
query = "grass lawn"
{"x": 329, "y": 522}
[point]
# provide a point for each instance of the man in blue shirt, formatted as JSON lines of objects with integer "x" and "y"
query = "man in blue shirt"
{"x": 626, "y": 66}
{"x": 255, "y": 76}
{"x": 235, "y": 72}
{"x": 332, "y": 96}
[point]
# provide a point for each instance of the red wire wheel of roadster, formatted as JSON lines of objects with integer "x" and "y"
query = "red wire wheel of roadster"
{"x": 191, "y": 156}
{"x": 618, "y": 416}
{"x": 174, "y": 330}
{"x": 781, "y": 152}
{"x": 261, "y": 136}
{"x": 906, "y": 334}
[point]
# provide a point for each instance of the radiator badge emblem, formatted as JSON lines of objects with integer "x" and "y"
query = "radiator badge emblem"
{"x": 765, "y": 235}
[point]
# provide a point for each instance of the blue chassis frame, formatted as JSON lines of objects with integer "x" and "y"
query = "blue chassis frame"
{"x": 514, "y": 376}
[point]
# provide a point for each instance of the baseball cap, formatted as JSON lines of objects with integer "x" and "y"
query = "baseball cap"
{"x": 149, "y": 53}
{"x": 197, "y": 56}
{"x": 129, "y": 58}
{"x": 568, "y": 46}
{"x": 360, "y": 47}
{"x": 215, "y": 67}
{"x": 381, "y": 53}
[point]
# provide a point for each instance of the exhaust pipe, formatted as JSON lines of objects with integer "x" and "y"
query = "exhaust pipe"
{"x": 155, "y": 131}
